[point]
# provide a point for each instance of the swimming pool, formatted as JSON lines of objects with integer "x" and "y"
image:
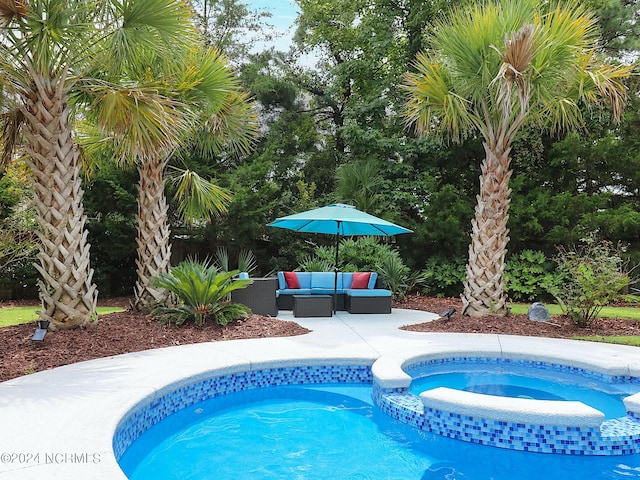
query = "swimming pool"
{"x": 86, "y": 404}
{"x": 313, "y": 432}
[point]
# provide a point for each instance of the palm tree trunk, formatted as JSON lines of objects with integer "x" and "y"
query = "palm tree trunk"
{"x": 484, "y": 287}
{"x": 154, "y": 247}
{"x": 67, "y": 293}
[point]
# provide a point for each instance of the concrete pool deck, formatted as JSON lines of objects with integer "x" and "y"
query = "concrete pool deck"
{"x": 59, "y": 424}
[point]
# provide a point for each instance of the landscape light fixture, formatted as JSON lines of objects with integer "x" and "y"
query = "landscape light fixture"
{"x": 448, "y": 313}
{"x": 41, "y": 331}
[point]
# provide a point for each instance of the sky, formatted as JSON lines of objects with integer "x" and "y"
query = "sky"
{"x": 283, "y": 15}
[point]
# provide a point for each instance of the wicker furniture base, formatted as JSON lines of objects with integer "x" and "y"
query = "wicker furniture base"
{"x": 285, "y": 302}
{"x": 312, "y": 305}
{"x": 368, "y": 304}
{"x": 260, "y": 296}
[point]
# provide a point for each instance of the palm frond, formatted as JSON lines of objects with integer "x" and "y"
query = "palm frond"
{"x": 517, "y": 56}
{"x": 159, "y": 27}
{"x": 222, "y": 258}
{"x": 496, "y": 64}
{"x": 11, "y": 122}
{"x": 10, "y": 10}
{"x": 433, "y": 105}
{"x": 247, "y": 262}
{"x": 139, "y": 120}
{"x": 206, "y": 78}
{"x": 198, "y": 199}
{"x": 234, "y": 127}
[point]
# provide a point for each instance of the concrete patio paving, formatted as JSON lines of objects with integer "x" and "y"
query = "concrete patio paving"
{"x": 59, "y": 424}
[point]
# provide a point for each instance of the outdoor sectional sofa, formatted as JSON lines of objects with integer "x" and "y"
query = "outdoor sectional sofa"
{"x": 359, "y": 296}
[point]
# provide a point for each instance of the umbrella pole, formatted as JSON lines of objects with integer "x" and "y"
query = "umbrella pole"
{"x": 335, "y": 273}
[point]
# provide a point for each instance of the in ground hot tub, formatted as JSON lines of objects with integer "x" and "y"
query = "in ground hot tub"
{"x": 539, "y": 417}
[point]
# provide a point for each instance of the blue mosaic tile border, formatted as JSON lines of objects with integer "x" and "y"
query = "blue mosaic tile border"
{"x": 142, "y": 418}
{"x": 507, "y": 362}
{"x": 614, "y": 437}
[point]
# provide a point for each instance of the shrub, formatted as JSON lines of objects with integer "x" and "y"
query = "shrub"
{"x": 594, "y": 277}
{"x": 444, "y": 277}
{"x": 529, "y": 276}
{"x": 362, "y": 255}
{"x": 313, "y": 263}
{"x": 246, "y": 261}
{"x": 397, "y": 277}
{"x": 203, "y": 293}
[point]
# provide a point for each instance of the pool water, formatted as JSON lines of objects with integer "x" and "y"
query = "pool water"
{"x": 522, "y": 382}
{"x": 315, "y": 432}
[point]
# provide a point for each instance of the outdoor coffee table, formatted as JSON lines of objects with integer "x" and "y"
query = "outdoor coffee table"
{"x": 312, "y": 305}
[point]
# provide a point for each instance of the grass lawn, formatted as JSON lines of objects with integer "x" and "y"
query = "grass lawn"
{"x": 18, "y": 315}
{"x": 634, "y": 341}
{"x": 608, "y": 312}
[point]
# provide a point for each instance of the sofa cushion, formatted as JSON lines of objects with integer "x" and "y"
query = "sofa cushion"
{"x": 292, "y": 280}
{"x": 326, "y": 291}
{"x": 360, "y": 280}
{"x": 322, "y": 280}
{"x": 295, "y": 291}
{"x": 368, "y": 292}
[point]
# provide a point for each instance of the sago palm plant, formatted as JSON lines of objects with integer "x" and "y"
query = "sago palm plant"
{"x": 203, "y": 293}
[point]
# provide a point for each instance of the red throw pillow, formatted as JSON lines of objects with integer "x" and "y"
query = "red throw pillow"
{"x": 292, "y": 280}
{"x": 360, "y": 280}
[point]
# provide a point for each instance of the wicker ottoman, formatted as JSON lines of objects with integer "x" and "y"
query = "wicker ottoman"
{"x": 361, "y": 303}
{"x": 312, "y": 306}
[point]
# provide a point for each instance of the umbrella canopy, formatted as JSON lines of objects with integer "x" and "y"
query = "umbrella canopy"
{"x": 340, "y": 220}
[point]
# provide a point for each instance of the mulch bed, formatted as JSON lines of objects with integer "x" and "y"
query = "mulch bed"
{"x": 117, "y": 333}
{"x": 557, "y": 327}
{"x": 132, "y": 331}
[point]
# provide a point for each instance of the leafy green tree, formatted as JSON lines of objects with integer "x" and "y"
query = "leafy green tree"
{"x": 52, "y": 53}
{"x": 232, "y": 27}
{"x": 111, "y": 204}
{"x": 619, "y": 26}
{"x": 492, "y": 68}
{"x": 18, "y": 236}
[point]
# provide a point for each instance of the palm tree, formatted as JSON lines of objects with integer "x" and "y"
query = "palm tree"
{"x": 215, "y": 115}
{"x": 492, "y": 68}
{"x": 359, "y": 183}
{"x": 55, "y": 57}
{"x": 223, "y": 117}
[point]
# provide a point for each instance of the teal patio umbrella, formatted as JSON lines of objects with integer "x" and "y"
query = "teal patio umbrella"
{"x": 340, "y": 220}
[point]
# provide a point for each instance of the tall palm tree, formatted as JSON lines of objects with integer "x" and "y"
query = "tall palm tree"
{"x": 492, "y": 68}
{"x": 223, "y": 118}
{"x": 214, "y": 115}
{"x": 54, "y": 59}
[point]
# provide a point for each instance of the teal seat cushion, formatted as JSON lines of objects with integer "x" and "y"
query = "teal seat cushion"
{"x": 326, "y": 291}
{"x": 295, "y": 291}
{"x": 374, "y": 292}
